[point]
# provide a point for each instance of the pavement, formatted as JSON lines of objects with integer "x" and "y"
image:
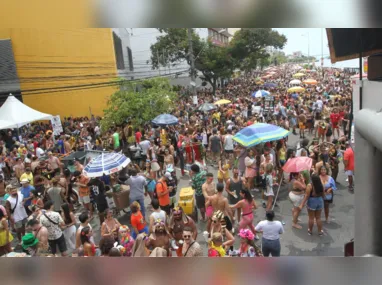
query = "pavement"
{"x": 294, "y": 242}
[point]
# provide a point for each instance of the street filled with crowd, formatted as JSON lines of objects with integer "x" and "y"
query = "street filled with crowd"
{"x": 231, "y": 148}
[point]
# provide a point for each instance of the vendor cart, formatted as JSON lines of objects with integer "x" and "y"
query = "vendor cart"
{"x": 119, "y": 200}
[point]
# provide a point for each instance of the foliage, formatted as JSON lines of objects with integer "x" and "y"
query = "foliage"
{"x": 246, "y": 51}
{"x": 249, "y": 46}
{"x": 173, "y": 48}
{"x": 278, "y": 57}
{"x": 156, "y": 97}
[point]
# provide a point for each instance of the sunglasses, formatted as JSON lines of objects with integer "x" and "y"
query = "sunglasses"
{"x": 186, "y": 236}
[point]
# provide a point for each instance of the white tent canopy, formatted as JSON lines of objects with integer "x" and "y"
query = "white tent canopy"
{"x": 14, "y": 114}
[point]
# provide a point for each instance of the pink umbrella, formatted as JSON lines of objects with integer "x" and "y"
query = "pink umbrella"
{"x": 298, "y": 164}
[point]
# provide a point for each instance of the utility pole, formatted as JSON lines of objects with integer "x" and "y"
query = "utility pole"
{"x": 158, "y": 62}
{"x": 192, "y": 62}
{"x": 169, "y": 64}
{"x": 164, "y": 62}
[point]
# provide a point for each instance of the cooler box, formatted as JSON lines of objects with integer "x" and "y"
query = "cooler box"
{"x": 121, "y": 199}
{"x": 187, "y": 200}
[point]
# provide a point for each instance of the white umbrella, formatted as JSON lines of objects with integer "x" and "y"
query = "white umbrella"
{"x": 295, "y": 82}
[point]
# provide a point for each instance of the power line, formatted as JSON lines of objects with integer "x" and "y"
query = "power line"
{"x": 80, "y": 87}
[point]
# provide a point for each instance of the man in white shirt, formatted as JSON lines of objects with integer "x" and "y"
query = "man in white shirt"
{"x": 39, "y": 151}
{"x": 319, "y": 104}
{"x": 271, "y": 230}
{"x": 16, "y": 211}
{"x": 54, "y": 222}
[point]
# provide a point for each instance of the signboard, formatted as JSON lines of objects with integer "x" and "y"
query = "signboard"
{"x": 56, "y": 125}
{"x": 269, "y": 104}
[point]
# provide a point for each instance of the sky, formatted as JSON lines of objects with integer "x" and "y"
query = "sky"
{"x": 142, "y": 38}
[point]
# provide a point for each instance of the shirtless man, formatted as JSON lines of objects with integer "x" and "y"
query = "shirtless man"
{"x": 208, "y": 189}
{"x": 233, "y": 187}
{"x": 41, "y": 233}
{"x": 220, "y": 203}
{"x": 178, "y": 221}
{"x": 160, "y": 238}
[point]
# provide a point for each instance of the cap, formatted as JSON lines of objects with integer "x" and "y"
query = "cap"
{"x": 168, "y": 175}
{"x": 25, "y": 180}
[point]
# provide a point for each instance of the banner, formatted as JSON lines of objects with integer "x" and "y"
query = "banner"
{"x": 56, "y": 125}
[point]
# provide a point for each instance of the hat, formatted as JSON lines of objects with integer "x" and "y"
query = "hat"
{"x": 29, "y": 240}
{"x": 168, "y": 176}
{"x": 25, "y": 180}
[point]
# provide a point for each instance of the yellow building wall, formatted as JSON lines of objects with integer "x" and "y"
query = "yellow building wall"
{"x": 51, "y": 58}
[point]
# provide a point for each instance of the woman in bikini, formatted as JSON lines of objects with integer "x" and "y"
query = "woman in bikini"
{"x": 110, "y": 226}
{"x": 247, "y": 205}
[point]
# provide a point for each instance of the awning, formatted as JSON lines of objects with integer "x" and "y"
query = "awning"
{"x": 345, "y": 44}
{"x": 14, "y": 114}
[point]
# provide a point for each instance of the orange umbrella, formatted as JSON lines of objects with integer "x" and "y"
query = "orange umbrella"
{"x": 310, "y": 82}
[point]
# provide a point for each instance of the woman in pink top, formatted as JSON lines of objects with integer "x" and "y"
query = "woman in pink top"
{"x": 247, "y": 205}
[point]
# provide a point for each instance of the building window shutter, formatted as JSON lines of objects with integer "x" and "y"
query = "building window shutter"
{"x": 118, "y": 51}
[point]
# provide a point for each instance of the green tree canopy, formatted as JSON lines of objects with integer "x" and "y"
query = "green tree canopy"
{"x": 172, "y": 48}
{"x": 156, "y": 96}
{"x": 249, "y": 46}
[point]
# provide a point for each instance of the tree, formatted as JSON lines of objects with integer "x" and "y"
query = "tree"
{"x": 156, "y": 97}
{"x": 213, "y": 62}
{"x": 250, "y": 45}
{"x": 278, "y": 57}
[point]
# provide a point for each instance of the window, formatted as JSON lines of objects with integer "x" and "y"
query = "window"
{"x": 118, "y": 52}
{"x": 130, "y": 57}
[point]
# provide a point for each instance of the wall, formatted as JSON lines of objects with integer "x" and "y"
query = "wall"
{"x": 51, "y": 58}
{"x": 125, "y": 38}
{"x": 368, "y": 179}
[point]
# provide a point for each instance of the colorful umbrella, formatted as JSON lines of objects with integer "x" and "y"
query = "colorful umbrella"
{"x": 260, "y": 93}
{"x": 165, "y": 120}
{"x": 206, "y": 107}
{"x": 296, "y": 89}
{"x": 222, "y": 102}
{"x": 298, "y": 164}
{"x": 106, "y": 163}
{"x": 295, "y": 82}
{"x": 297, "y": 75}
{"x": 260, "y": 133}
{"x": 310, "y": 81}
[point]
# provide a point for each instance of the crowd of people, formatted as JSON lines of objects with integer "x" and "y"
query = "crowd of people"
{"x": 39, "y": 194}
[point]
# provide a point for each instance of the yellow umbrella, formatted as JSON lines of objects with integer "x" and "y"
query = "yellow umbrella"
{"x": 296, "y": 89}
{"x": 310, "y": 81}
{"x": 299, "y": 75}
{"x": 222, "y": 102}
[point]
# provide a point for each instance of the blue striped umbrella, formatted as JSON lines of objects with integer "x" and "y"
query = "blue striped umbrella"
{"x": 260, "y": 133}
{"x": 106, "y": 163}
{"x": 260, "y": 93}
{"x": 165, "y": 120}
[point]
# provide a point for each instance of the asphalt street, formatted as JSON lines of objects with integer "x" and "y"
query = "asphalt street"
{"x": 294, "y": 242}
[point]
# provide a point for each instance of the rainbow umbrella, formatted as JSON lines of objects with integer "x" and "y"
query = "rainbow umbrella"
{"x": 260, "y": 133}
